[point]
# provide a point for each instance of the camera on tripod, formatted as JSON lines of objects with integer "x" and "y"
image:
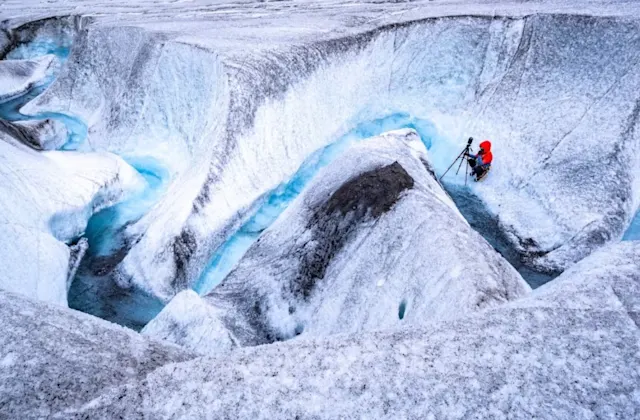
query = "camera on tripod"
{"x": 462, "y": 158}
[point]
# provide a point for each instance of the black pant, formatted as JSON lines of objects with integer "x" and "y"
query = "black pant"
{"x": 476, "y": 169}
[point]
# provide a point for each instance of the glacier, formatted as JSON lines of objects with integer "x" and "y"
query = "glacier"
{"x": 156, "y": 154}
{"x": 257, "y": 109}
{"x": 49, "y": 198}
{"x": 361, "y": 248}
{"x": 567, "y": 350}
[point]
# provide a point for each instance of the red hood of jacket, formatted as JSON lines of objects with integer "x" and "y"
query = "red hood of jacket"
{"x": 487, "y": 156}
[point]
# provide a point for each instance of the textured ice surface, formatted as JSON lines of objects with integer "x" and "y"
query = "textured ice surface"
{"x": 571, "y": 349}
{"x": 47, "y": 199}
{"x": 55, "y": 360}
{"x": 19, "y": 76}
{"x": 48, "y": 134}
{"x": 372, "y": 242}
{"x": 276, "y": 201}
{"x": 232, "y": 98}
{"x": 192, "y": 323}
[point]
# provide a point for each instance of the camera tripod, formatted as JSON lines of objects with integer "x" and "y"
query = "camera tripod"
{"x": 461, "y": 157}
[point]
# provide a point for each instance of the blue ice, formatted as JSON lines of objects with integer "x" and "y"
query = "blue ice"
{"x": 105, "y": 229}
{"x": 39, "y": 47}
{"x": 633, "y": 232}
{"x": 10, "y": 110}
{"x": 272, "y": 204}
{"x": 94, "y": 293}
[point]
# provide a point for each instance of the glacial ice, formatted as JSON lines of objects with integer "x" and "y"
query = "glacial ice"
{"x": 568, "y": 350}
{"x": 54, "y": 360}
{"x": 277, "y": 200}
{"x": 190, "y": 322}
{"x": 373, "y": 232}
{"x": 248, "y": 119}
{"x": 19, "y": 76}
{"x": 48, "y": 198}
{"x": 199, "y": 126}
{"x": 48, "y": 134}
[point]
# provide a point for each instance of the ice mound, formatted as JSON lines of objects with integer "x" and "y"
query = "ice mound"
{"x": 54, "y": 361}
{"x": 568, "y": 350}
{"x": 46, "y": 200}
{"x": 372, "y": 242}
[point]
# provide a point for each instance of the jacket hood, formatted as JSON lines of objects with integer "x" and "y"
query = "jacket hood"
{"x": 486, "y": 145}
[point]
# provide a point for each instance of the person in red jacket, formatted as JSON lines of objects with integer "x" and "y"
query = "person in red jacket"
{"x": 481, "y": 162}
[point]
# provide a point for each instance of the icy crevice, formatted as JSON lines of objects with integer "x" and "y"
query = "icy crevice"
{"x": 95, "y": 231}
{"x": 268, "y": 207}
{"x": 48, "y": 38}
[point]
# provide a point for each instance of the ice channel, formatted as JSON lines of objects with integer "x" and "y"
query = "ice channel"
{"x": 633, "y": 232}
{"x": 271, "y": 205}
{"x": 10, "y": 110}
{"x": 105, "y": 230}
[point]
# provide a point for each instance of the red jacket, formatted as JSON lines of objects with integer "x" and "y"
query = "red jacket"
{"x": 487, "y": 156}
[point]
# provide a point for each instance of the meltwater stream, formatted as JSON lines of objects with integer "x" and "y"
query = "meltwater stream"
{"x": 633, "y": 232}
{"x": 272, "y": 204}
{"x": 10, "y": 110}
{"x": 93, "y": 289}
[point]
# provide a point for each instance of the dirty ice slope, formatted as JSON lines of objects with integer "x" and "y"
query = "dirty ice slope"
{"x": 47, "y": 199}
{"x": 373, "y": 242}
{"x": 569, "y": 350}
{"x": 53, "y": 359}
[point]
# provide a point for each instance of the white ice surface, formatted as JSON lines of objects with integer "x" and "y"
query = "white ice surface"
{"x": 54, "y": 360}
{"x": 47, "y": 199}
{"x": 190, "y": 322}
{"x": 571, "y": 349}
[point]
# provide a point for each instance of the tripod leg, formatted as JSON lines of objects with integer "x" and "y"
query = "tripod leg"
{"x": 465, "y": 176}
{"x": 461, "y": 157}
{"x": 450, "y": 166}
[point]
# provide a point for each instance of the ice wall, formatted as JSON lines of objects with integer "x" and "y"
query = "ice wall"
{"x": 558, "y": 113}
{"x": 555, "y": 94}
